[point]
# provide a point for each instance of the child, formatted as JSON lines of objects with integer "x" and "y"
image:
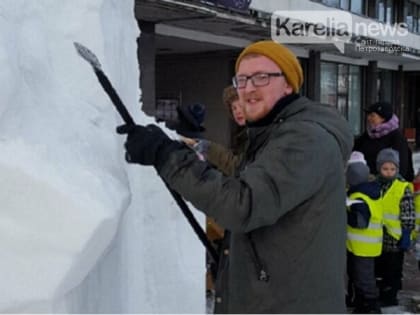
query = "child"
{"x": 416, "y": 234}
{"x": 399, "y": 220}
{"x": 364, "y": 234}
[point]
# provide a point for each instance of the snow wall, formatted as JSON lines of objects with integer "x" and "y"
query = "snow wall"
{"x": 80, "y": 230}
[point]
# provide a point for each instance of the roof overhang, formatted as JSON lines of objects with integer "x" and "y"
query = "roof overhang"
{"x": 203, "y": 26}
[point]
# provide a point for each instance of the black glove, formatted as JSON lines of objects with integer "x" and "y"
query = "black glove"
{"x": 147, "y": 145}
{"x": 405, "y": 241}
{"x": 359, "y": 215}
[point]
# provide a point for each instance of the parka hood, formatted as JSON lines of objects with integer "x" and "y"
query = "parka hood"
{"x": 324, "y": 115}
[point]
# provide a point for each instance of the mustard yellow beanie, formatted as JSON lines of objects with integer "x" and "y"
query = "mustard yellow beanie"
{"x": 282, "y": 56}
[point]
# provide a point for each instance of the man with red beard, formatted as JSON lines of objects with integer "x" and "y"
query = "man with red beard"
{"x": 286, "y": 206}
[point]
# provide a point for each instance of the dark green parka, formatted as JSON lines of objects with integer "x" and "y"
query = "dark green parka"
{"x": 285, "y": 210}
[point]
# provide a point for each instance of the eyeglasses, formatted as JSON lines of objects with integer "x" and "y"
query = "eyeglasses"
{"x": 257, "y": 79}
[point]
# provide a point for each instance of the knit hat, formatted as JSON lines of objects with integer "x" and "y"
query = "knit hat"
{"x": 355, "y": 157}
{"x": 387, "y": 155}
{"x": 357, "y": 170}
{"x": 282, "y": 56}
{"x": 383, "y": 109}
{"x": 194, "y": 113}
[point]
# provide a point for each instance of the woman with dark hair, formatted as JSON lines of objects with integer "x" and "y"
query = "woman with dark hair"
{"x": 383, "y": 132}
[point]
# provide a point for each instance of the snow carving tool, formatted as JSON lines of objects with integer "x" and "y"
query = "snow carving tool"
{"x": 91, "y": 58}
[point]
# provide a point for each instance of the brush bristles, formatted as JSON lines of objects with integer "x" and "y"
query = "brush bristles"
{"x": 86, "y": 54}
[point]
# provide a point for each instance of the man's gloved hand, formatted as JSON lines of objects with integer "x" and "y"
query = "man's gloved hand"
{"x": 405, "y": 241}
{"x": 147, "y": 145}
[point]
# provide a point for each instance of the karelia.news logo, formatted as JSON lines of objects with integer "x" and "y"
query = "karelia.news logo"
{"x": 328, "y": 27}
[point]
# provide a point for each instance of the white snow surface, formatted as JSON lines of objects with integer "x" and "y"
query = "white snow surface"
{"x": 80, "y": 230}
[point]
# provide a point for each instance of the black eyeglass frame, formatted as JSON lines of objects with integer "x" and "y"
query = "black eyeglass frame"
{"x": 252, "y": 78}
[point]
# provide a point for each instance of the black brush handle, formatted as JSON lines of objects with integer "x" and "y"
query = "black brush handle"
{"x": 125, "y": 115}
{"x": 194, "y": 224}
{"x": 109, "y": 89}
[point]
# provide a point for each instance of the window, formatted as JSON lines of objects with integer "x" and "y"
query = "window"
{"x": 408, "y": 15}
{"x": 384, "y": 11}
{"x": 341, "y": 88}
{"x": 389, "y": 11}
{"x": 385, "y": 85}
{"x": 354, "y": 99}
{"x": 166, "y": 109}
{"x": 304, "y": 65}
{"x": 332, "y": 3}
{"x": 380, "y": 10}
{"x": 329, "y": 83}
{"x": 345, "y": 4}
{"x": 418, "y": 19}
{"x": 412, "y": 16}
{"x": 356, "y": 6}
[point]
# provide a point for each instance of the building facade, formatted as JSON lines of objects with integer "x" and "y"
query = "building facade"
{"x": 187, "y": 51}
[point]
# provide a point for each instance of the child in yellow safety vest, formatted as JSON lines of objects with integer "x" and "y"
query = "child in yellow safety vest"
{"x": 399, "y": 221}
{"x": 364, "y": 235}
{"x": 416, "y": 233}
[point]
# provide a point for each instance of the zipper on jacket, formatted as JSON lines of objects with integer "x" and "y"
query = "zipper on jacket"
{"x": 262, "y": 273}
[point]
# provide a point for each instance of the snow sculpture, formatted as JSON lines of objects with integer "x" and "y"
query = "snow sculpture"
{"x": 71, "y": 241}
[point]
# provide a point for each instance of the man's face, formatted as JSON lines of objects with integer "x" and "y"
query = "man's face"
{"x": 257, "y": 102}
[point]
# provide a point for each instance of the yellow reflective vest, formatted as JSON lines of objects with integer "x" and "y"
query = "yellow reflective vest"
{"x": 367, "y": 242}
{"x": 391, "y": 203}
{"x": 416, "y": 195}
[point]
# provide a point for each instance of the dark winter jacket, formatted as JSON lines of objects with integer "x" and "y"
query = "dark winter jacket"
{"x": 286, "y": 211}
{"x": 370, "y": 147}
{"x": 227, "y": 160}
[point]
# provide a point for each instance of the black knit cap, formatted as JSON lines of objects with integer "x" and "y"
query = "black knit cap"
{"x": 194, "y": 113}
{"x": 383, "y": 109}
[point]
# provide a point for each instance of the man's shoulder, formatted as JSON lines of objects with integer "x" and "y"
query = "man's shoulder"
{"x": 304, "y": 108}
{"x": 306, "y": 113}
{"x": 313, "y": 122}
{"x": 303, "y": 101}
